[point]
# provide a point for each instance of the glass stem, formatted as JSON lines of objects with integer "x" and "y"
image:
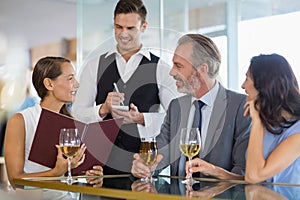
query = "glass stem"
{"x": 189, "y": 175}
{"x": 150, "y": 178}
{"x": 69, "y": 179}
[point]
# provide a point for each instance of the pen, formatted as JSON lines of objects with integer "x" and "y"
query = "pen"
{"x": 117, "y": 90}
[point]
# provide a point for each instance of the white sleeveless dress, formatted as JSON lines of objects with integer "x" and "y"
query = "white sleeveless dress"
{"x": 31, "y": 117}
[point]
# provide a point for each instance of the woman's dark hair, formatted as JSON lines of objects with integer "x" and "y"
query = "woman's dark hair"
{"x": 131, "y": 6}
{"x": 48, "y": 67}
{"x": 277, "y": 89}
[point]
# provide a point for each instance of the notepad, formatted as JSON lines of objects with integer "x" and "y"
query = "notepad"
{"x": 99, "y": 138}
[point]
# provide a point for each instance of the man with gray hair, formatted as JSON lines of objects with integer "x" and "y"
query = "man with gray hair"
{"x": 224, "y": 130}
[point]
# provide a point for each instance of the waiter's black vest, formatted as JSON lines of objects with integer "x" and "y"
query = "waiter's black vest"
{"x": 141, "y": 89}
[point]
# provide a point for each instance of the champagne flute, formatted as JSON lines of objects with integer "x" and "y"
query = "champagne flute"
{"x": 190, "y": 145}
{"x": 69, "y": 142}
{"x": 148, "y": 152}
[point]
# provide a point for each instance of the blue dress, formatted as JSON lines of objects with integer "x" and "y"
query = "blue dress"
{"x": 292, "y": 173}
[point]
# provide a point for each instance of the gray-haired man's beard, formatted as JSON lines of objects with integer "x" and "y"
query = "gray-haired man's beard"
{"x": 190, "y": 86}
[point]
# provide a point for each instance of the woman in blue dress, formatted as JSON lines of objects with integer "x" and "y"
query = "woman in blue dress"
{"x": 273, "y": 104}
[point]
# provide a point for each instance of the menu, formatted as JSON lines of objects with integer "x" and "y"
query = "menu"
{"x": 98, "y": 137}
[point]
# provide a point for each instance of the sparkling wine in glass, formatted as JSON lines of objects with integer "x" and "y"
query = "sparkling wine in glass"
{"x": 190, "y": 145}
{"x": 69, "y": 142}
{"x": 148, "y": 152}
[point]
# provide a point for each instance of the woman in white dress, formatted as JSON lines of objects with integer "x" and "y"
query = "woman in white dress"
{"x": 55, "y": 83}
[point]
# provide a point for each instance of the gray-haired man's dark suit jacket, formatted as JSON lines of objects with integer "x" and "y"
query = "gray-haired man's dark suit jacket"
{"x": 227, "y": 135}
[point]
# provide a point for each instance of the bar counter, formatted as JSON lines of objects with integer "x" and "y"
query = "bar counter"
{"x": 164, "y": 187}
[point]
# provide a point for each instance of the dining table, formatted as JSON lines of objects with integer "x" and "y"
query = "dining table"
{"x": 125, "y": 186}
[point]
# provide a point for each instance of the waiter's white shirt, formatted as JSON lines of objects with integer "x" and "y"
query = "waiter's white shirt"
{"x": 84, "y": 108}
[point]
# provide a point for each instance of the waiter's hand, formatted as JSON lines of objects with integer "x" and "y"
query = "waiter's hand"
{"x": 113, "y": 98}
{"x": 131, "y": 116}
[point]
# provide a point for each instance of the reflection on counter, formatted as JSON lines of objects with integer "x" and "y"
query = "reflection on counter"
{"x": 128, "y": 187}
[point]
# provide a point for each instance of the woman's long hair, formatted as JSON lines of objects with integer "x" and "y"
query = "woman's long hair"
{"x": 48, "y": 67}
{"x": 277, "y": 89}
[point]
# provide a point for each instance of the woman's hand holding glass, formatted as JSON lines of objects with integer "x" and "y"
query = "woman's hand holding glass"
{"x": 69, "y": 142}
{"x": 61, "y": 165}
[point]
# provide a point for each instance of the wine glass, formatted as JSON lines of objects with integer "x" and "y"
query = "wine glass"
{"x": 190, "y": 145}
{"x": 69, "y": 142}
{"x": 148, "y": 152}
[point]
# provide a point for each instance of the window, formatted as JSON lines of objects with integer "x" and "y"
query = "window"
{"x": 274, "y": 34}
{"x": 264, "y": 26}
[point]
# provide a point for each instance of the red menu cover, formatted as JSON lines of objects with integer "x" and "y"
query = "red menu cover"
{"x": 98, "y": 137}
